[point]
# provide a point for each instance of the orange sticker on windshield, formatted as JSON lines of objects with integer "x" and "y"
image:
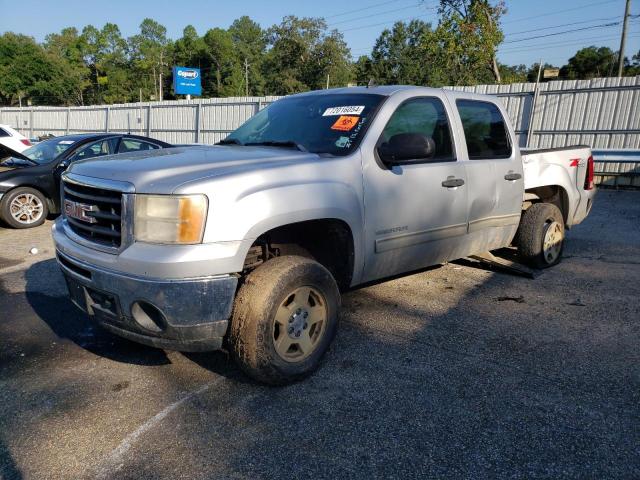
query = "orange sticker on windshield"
{"x": 345, "y": 123}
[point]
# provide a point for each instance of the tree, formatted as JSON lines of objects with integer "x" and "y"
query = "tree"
{"x": 68, "y": 47}
{"x": 28, "y": 71}
{"x": 149, "y": 53}
{"x": 302, "y": 54}
{"x": 250, "y": 45}
{"x": 590, "y": 62}
{"x": 224, "y": 66}
{"x": 398, "y": 57}
{"x": 462, "y": 49}
{"x": 363, "y": 70}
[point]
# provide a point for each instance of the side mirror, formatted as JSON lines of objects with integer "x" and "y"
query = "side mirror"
{"x": 406, "y": 148}
{"x": 64, "y": 164}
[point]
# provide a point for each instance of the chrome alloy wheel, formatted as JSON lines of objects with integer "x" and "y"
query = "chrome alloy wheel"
{"x": 299, "y": 324}
{"x": 26, "y": 208}
{"x": 552, "y": 242}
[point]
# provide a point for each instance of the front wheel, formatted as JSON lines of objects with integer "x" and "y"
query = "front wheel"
{"x": 541, "y": 235}
{"x": 23, "y": 207}
{"x": 285, "y": 317}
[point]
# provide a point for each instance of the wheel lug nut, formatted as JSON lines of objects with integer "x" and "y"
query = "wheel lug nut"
{"x": 306, "y": 314}
{"x": 298, "y": 311}
{"x": 297, "y": 334}
{"x": 305, "y": 326}
{"x": 290, "y": 330}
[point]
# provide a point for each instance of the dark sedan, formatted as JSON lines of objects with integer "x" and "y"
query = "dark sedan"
{"x": 30, "y": 181}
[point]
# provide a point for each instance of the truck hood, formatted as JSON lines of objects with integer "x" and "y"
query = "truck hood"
{"x": 164, "y": 170}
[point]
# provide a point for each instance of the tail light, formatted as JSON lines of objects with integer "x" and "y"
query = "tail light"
{"x": 588, "y": 181}
{"x": 26, "y": 141}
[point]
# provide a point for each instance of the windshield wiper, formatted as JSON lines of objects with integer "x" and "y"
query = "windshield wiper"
{"x": 230, "y": 141}
{"x": 280, "y": 143}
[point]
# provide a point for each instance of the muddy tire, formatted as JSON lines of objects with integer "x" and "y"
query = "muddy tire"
{"x": 285, "y": 317}
{"x": 24, "y": 207}
{"x": 541, "y": 235}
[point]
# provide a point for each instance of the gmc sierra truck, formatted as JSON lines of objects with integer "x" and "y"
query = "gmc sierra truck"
{"x": 247, "y": 244}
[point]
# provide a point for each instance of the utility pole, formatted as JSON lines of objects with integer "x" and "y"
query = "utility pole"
{"x": 623, "y": 39}
{"x": 246, "y": 78}
{"x": 327, "y": 81}
{"x": 160, "y": 78}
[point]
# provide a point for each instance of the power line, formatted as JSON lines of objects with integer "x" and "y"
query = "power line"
{"x": 415, "y": 17}
{"x": 360, "y": 9}
{"x": 559, "y": 11}
{"x": 375, "y": 14}
{"x": 507, "y": 34}
{"x": 602, "y": 25}
{"x": 543, "y": 46}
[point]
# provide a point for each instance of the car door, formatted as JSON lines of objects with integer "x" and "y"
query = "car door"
{"x": 494, "y": 173}
{"x": 99, "y": 148}
{"x": 415, "y": 213}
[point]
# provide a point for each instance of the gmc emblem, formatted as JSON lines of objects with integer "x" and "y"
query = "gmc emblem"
{"x": 79, "y": 211}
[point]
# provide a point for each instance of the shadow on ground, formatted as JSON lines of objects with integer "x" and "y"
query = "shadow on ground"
{"x": 449, "y": 373}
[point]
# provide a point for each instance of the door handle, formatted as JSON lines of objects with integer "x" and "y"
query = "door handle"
{"x": 512, "y": 177}
{"x": 452, "y": 182}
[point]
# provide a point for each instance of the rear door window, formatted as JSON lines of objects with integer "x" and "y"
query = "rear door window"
{"x": 96, "y": 149}
{"x": 135, "y": 145}
{"x": 485, "y": 130}
{"x": 4, "y": 133}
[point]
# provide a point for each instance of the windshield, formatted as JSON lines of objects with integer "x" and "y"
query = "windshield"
{"x": 47, "y": 151}
{"x": 332, "y": 123}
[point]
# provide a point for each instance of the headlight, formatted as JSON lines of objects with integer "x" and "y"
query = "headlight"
{"x": 170, "y": 218}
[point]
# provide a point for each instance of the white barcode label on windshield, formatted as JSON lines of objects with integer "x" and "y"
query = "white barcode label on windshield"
{"x": 346, "y": 110}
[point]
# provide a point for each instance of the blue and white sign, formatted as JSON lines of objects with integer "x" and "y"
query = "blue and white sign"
{"x": 186, "y": 81}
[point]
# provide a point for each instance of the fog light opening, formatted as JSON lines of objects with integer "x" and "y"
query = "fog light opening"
{"x": 148, "y": 316}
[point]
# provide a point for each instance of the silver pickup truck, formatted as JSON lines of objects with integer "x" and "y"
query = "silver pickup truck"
{"x": 246, "y": 245}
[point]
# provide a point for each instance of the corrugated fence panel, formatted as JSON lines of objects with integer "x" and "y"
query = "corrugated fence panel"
{"x": 129, "y": 119}
{"x": 87, "y": 119}
{"x": 603, "y": 113}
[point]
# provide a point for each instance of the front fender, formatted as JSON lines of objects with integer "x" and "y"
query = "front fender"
{"x": 264, "y": 208}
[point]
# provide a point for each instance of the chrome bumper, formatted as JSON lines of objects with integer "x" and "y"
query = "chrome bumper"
{"x": 187, "y": 314}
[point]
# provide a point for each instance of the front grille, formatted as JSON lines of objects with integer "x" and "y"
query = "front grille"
{"x": 106, "y": 209}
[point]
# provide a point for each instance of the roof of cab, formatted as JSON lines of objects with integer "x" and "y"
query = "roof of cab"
{"x": 386, "y": 90}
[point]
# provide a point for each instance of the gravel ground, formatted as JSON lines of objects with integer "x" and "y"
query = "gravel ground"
{"x": 453, "y": 372}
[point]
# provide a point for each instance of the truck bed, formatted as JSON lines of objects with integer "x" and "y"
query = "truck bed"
{"x": 565, "y": 167}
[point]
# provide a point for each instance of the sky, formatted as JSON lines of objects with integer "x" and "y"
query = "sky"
{"x": 551, "y": 30}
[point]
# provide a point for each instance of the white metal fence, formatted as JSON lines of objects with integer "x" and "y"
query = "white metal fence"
{"x": 180, "y": 121}
{"x": 603, "y": 113}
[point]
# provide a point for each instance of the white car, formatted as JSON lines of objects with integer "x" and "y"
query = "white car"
{"x": 13, "y": 139}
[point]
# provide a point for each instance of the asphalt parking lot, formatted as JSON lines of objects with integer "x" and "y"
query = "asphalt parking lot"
{"x": 453, "y": 372}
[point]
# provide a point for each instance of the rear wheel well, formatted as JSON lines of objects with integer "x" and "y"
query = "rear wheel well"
{"x": 328, "y": 241}
{"x": 552, "y": 194}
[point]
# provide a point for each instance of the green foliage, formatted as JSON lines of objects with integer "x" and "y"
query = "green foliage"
{"x": 590, "y": 62}
{"x": 462, "y": 49}
{"x": 398, "y": 56}
{"x": 302, "y": 54}
{"x": 99, "y": 65}
{"x": 28, "y": 71}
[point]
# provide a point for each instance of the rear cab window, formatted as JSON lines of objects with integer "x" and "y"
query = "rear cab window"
{"x": 485, "y": 130}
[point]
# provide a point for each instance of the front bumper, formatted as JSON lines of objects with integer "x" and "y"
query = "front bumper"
{"x": 186, "y": 314}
